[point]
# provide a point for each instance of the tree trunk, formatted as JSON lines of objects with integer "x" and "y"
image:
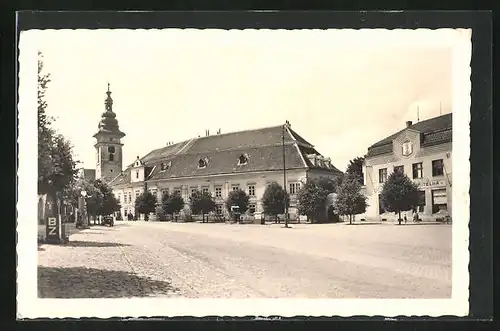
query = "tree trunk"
{"x": 399, "y": 217}
{"x": 202, "y": 217}
{"x": 146, "y": 216}
{"x": 350, "y": 219}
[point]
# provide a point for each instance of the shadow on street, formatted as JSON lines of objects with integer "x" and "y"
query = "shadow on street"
{"x": 79, "y": 282}
{"x": 80, "y": 243}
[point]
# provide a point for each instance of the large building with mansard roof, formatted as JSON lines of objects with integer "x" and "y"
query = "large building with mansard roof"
{"x": 216, "y": 163}
{"x": 423, "y": 151}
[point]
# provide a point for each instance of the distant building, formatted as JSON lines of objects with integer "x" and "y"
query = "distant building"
{"x": 219, "y": 163}
{"x": 423, "y": 151}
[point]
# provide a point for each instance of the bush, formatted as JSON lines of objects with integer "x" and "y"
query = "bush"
{"x": 160, "y": 214}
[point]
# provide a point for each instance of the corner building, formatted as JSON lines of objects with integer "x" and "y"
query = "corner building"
{"x": 219, "y": 163}
{"x": 423, "y": 151}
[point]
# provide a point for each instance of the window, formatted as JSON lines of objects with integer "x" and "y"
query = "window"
{"x": 137, "y": 193}
{"x": 400, "y": 169}
{"x": 111, "y": 157}
{"x": 154, "y": 192}
{"x": 382, "y": 175}
{"x": 294, "y": 188}
{"x": 251, "y": 190}
{"x": 177, "y": 190}
{"x": 204, "y": 189}
{"x": 120, "y": 197}
{"x": 202, "y": 163}
{"x": 110, "y": 139}
{"x": 243, "y": 159}
{"x": 165, "y": 166}
{"x": 218, "y": 192}
{"x": 111, "y": 149}
{"x": 437, "y": 168}
{"x": 110, "y": 170}
{"x": 218, "y": 209}
{"x": 236, "y": 187}
{"x": 137, "y": 174}
{"x": 193, "y": 190}
{"x": 417, "y": 170}
{"x": 439, "y": 200}
{"x": 129, "y": 197}
{"x": 164, "y": 192}
{"x": 251, "y": 208}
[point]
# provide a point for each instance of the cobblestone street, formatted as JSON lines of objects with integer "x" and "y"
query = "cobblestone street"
{"x": 137, "y": 259}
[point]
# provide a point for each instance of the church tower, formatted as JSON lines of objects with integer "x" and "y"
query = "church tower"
{"x": 108, "y": 145}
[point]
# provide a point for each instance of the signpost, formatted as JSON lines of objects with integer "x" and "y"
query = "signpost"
{"x": 53, "y": 234}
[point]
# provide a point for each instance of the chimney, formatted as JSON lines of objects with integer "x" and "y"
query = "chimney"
{"x": 408, "y": 124}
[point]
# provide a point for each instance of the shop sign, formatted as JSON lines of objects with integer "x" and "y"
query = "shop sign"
{"x": 431, "y": 182}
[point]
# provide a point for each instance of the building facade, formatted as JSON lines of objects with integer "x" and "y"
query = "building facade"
{"x": 218, "y": 163}
{"x": 423, "y": 151}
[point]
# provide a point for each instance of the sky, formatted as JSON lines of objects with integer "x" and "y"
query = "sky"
{"x": 342, "y": 90}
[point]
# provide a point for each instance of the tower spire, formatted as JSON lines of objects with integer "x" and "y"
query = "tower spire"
{"x": 109, "y": 101}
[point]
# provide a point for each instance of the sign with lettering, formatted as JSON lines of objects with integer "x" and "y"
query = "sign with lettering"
{"x": 407, "y": 148}
{"x": 53, "y": 230}
{"x": 431, "y": 182}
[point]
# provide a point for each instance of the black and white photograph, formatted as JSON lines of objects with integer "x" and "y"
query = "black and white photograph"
{"x": 190, "y": 172}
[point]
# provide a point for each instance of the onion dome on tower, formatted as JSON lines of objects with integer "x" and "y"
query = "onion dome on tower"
{"x": 109, "y": 123}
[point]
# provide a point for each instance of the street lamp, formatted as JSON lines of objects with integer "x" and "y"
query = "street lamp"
{"x": 284, "y": 178}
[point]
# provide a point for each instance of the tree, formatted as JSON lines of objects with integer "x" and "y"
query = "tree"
{"x": 312, "y": 198}
{"x": 201, "y": 202}
{"x": 399, "y": 193}
{"x": 145, "y": 203}
{"x": 350, "y": 201}
{"x": 355, "y": 168}
{"x": 56, "y": 166}
{"x": 172, "y": 203}
{"x": 109, "y": 203}
{"x": 238, "y": 198}
{"x": 274, "y": 199}
{"x": 94, "y": 198}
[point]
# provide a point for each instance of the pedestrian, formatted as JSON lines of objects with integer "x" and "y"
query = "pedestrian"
{"x": 406, "y": 219}
{"x": 415, "y": 216}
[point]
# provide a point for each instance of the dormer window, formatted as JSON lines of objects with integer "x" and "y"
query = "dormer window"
{"x": 202, "y": 163}
{"x": 111, "y": 149}
{"x": 243, "y": 159}
{"x": 111, "y": 157}
{"x": 165, "y": 166}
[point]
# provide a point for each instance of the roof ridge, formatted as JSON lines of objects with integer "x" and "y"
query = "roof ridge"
{"x": 241, "y": 131}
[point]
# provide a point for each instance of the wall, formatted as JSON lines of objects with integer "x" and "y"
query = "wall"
{"x": 259, "y": 180}
{"x": 104, "y": 167}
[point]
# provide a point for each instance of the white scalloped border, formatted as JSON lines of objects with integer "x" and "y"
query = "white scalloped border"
{"x": 29, "y": 306}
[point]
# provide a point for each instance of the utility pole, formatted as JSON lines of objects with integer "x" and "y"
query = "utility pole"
{"x": 284, "y": 180}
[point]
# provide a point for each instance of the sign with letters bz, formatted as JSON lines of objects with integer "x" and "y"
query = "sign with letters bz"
{"x": 53, "y": 230}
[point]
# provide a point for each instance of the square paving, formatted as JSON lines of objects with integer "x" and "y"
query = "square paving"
{"x": 194, "y": 260}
